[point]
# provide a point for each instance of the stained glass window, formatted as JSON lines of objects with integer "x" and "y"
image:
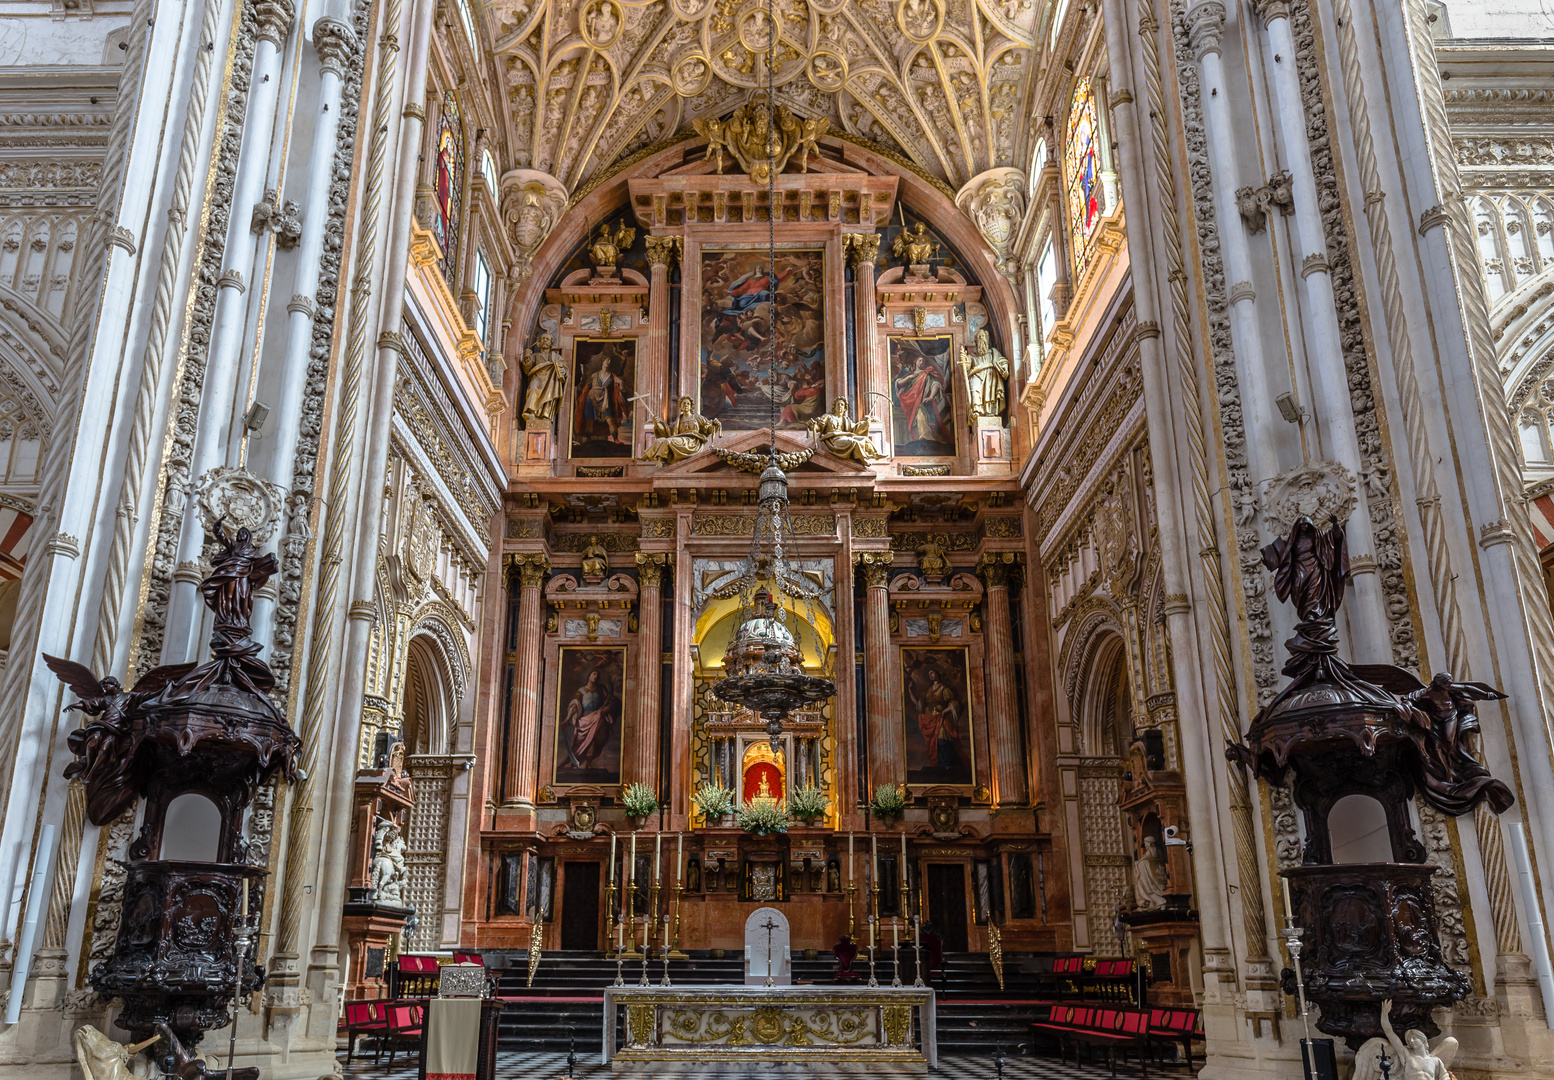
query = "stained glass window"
{"x": 448, "y": 183}
{"x": 1081, "y": 169}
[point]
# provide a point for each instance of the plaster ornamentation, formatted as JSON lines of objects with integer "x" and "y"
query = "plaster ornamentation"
{"x": 995, "y": 201}
{"x": 282, "y": 218}
{"x": 274, "y": 20}
{"x": 1207, "y": 22}
{"x": 242, "y": 500}
{"x": 532, "y": 202}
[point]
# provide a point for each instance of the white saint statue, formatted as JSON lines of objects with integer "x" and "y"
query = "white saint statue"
{"x": 683, "y": 436}
{"x": 543, "y": 368}
{"x": 1150, "y": 878}
{"x": 986, "y": 369}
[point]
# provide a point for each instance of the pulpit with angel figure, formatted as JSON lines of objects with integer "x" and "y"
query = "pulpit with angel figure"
{"x": 1338, "y": 730}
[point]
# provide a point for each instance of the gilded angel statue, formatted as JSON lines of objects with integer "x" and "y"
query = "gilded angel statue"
{"x": 913, "y": 245}
{"x": 607, "y": 250}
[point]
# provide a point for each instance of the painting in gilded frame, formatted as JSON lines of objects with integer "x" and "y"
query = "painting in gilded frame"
{"x": 922, "y": 398}
{"x": 604, "y": 379}
{"x": 936, "y": 710}
{"x": 737, "y": 291}
{"x": 588, "y": 715}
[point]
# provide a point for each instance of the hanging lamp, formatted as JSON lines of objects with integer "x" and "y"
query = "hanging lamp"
{"x": 764, "y": 664}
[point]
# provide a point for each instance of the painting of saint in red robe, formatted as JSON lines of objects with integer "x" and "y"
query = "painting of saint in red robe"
{"x": 603, "y": 417}
{"x": 922, "y": 397}
{"x": 588, "y": 715}
{"x": 936, "y": 701}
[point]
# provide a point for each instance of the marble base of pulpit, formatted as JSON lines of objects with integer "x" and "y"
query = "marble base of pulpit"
{"x": 803, "y": 1029}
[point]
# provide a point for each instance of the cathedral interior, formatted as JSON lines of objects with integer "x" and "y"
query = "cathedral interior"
{"x": 801, "y": 511}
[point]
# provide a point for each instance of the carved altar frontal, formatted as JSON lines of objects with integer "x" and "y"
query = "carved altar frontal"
{"x": 711, "y": 1029}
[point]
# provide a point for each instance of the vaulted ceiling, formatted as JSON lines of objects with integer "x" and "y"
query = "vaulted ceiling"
{"x": 588, "y": 83}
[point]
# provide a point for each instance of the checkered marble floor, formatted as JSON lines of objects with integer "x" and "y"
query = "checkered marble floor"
{"x": 520, "y": 1065}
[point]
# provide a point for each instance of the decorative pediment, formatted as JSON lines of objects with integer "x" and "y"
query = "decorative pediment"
{"x": 705, "y": 464}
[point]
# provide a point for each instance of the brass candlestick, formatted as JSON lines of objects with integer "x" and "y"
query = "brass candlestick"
{"x": 675, "y": 952}
{"x": 851, "y": 889}
{"x": 609, "y": 918}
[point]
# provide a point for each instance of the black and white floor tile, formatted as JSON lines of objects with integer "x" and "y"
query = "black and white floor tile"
{"x": 521, "y": 1065}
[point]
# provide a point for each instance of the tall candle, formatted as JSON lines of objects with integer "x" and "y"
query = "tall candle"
{"x": 1289, "y": 915}
{"x": 658, "y": 857}
{"x": 243, "y": 915}
{"x": 631, "y": 876}
{"x": 612, "y": 858}
{"x": 895, "y": 934}
{"x": 917, "y": 923}
{"x": 679, "y": 858}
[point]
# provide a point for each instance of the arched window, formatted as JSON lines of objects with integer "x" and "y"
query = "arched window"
{"x": 448, "y": 182}
{"x": 1082, "y": 173}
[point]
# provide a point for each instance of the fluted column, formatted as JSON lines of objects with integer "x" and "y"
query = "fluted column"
{"x": 887, "y": 758}
{"x": 642, "y": 747}
{"x": 1003, "y": 720}
{"x": 661, "y": 253}
{"x": 862, "y": 250}
{"x": 523, "y": 744}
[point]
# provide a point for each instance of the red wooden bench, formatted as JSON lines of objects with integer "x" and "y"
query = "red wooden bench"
{"x": 404, "y": 1026}
{"x": 1178, "y": 1026}
{"x": 363, "y": 1018}
{"x": 1111, "y": 1028}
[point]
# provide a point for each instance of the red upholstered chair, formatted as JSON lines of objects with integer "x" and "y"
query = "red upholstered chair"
{"x": 845, "y": 951}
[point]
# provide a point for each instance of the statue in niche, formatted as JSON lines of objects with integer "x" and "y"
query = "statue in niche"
{"x": 913, "y": 245}
{"x": 932, "y": 559}
{"x": 1413, "y": 1059}
{"x": 986, "y": 369}
{"x": 683, "y": 436}
{"x": 607, "y": 250}
{"x": 833, "y": 876}
{"x": 843, "y": 436}
{"x": 546, "y": 376}
{"x": 596, "y": 561}
{"x": 1150, "y": 878}
{"x": 388, "y": 865}
{"x": 693, "y": 876}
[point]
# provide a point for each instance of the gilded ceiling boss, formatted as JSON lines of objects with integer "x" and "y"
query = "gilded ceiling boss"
{"x": 748, "y": 521}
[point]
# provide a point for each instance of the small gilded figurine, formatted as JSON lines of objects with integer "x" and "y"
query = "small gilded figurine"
{"x": 843, "y": 436}
{"x": 683, "y": 436}
{"x": 606, "y": 251}
{"x": 913, "y": 245}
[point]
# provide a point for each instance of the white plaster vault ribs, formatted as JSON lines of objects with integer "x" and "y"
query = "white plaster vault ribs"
{"x": 591, "y": 82}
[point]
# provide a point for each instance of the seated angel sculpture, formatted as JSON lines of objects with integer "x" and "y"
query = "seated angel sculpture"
{"x": 844, "y": 437}
{"x": 683, "y": 436}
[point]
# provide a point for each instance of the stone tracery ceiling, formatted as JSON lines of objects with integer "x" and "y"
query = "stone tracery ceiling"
{"x": 590, "y": 82}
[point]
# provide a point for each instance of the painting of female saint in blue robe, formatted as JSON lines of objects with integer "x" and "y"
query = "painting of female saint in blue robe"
{"x": 588, "y": 715}
{"x": 936, "y": 707}
{"x": 603, "y": 417}
{"x": 922, "y": 398}
{"x": 741, "y": 385}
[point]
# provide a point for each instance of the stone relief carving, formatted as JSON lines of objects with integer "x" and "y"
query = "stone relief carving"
{"x": 995, "y": 200}
{"x": 242, "y": 500}
{"x": 532, "y": 203}
{"x": 1320, "y": 491}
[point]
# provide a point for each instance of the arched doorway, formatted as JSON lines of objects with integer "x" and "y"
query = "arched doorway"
{"x": 1106, "y": 727}
{"x": 429, "y": 707}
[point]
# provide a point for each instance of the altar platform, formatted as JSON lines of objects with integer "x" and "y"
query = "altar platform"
{"x": 802, "y": 1029}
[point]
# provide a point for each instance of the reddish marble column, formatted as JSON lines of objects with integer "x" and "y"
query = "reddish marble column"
{"x": 1003, "y": 721}
{"x": 654, "y": 372}
{"x": 523, "y": 745}
{"x": 887, "y": 758}
{"x": 862, "y": 250}
{"x": 642, "y": 742}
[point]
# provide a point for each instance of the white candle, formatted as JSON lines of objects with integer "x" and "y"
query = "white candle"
{"x": 1289, "y": 915}
{"x": 895, "y": 934}
{"x": 658, "y": 857}
{"x": 612, "y": 858}
{"x": 849, "y": 859}
{"x": 916, "y": 925}
{"x": 243, "y": 915}
{"x": 679, "y": 858}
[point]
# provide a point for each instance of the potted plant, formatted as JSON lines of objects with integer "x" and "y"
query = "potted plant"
{"x": 808, "y": 804}
{"x": 639, "y": 801}
{"x": 714, "y": 801}
{"x": 889, "y": 803}
{"x": 762, "y": 817}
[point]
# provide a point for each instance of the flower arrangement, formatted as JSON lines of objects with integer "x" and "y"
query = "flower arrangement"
{"x": 713, "y": 800}
{"x": 639, "y": 800}
{"x": 763, "y": 816}
{"x": 808, "y": 803}
{"x": 890, "y": 801}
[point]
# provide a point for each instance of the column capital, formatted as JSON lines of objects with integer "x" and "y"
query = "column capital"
{"x": 997, "y": 568}
{"x": 1206, "y": 22}
{"x": 274, "y": 17}
{"x": 663, "y": 250}
{"x": 652, "y": 567}
{"x": 875, "y": 566}
{"x": 531, "y": 568}
{"x": 861, "y": 249}
{"x": 1269, "y": 10}
{"x": 335, "y": 42}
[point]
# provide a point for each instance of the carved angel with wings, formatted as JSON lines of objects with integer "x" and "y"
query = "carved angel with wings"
{"x": 607, "y": 250}
{"x": 1413, "y": 1053}
{"x": 105, "y": 746}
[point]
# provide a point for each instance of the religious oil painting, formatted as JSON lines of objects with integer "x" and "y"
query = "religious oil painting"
{"x": 744, "y": 302}
{"x": 936, "y": 706}
{"x": 603, "y": 384}
{"x": 588, "y": 715}
{"x": 922, "y": 398}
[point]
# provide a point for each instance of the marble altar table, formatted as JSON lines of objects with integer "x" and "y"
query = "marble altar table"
{"x": 712, "y": 1027}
